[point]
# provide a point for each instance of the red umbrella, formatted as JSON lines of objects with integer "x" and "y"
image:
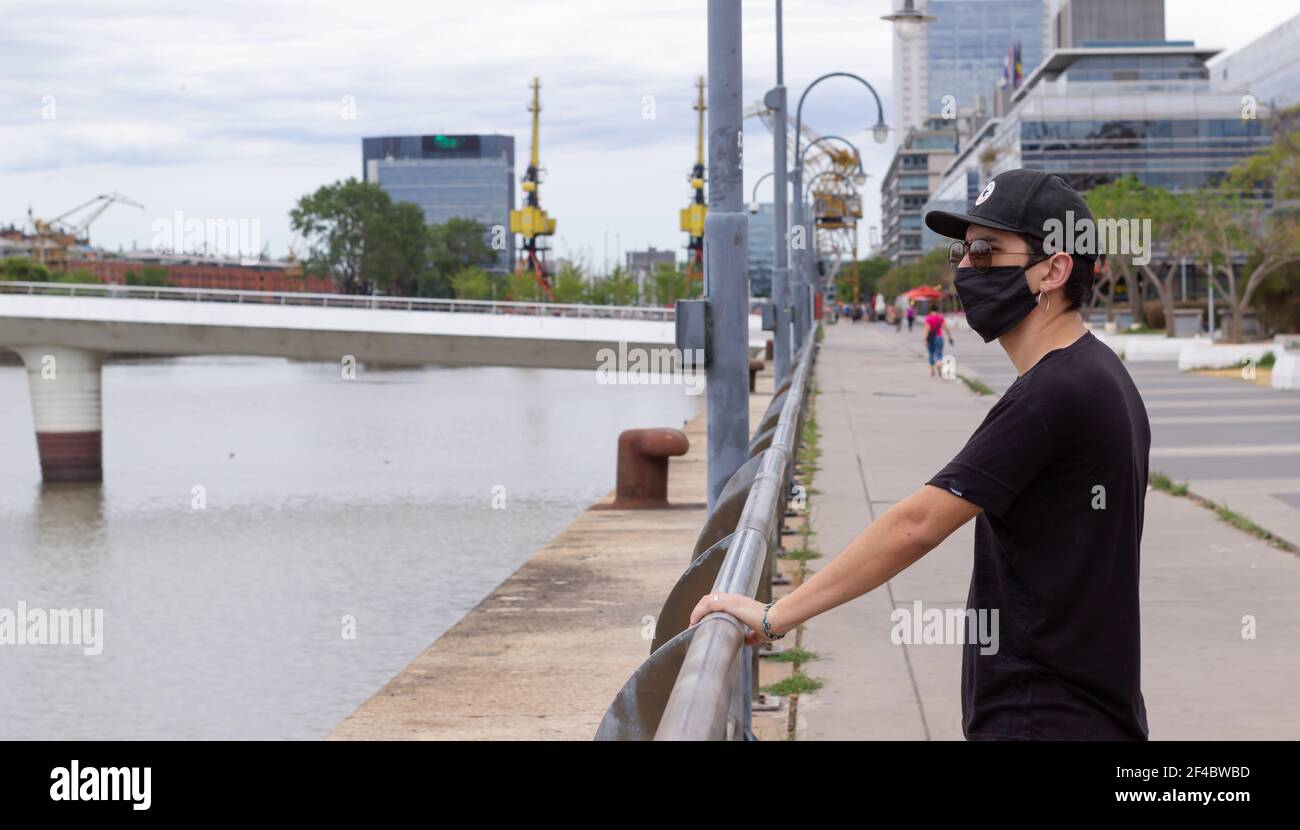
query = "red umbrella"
{"x": 923, "y": 292}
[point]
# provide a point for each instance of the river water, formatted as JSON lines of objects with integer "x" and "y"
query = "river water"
{"x": 250, "y": 505}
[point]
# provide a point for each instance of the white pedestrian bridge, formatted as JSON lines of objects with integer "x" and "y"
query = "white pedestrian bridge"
{"x": 62, "y": 332}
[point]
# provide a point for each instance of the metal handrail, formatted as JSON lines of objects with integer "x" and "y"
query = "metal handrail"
{"x": 369, "y": 301}
{"x": 700, "y": 705}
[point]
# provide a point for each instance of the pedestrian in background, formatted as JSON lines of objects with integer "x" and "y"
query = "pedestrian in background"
{"x": 935, "y": 328}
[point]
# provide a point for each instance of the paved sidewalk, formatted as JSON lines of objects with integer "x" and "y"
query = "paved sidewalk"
{"x": 886, "y": 428}
{"x": 1233, "y": 442}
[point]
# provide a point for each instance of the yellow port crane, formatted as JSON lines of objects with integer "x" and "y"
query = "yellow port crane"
{"x": 692, "y": 217}
{"x": 55, "y": 236}
{"x": 530, "y": 221}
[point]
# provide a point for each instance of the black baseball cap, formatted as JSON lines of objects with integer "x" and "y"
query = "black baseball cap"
{"x": 1021, "y": 201}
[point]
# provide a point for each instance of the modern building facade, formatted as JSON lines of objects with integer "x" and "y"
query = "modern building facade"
{"x": 967, "y": 46}
{"x": 1267, "y": 68}
{"x": 960, "y": 55}
{"x": 450, "y": 176}
{"x": 915, "y": 171}
{"x": 1095, "y": 114}
{"x": 1077, "y": 23}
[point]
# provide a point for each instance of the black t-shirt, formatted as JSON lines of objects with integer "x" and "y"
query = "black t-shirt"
{"x": 1059, "y": 467}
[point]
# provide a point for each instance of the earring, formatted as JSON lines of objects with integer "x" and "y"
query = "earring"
{"x": 1040, "y": 302}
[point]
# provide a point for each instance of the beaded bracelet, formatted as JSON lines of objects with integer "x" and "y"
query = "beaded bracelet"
{"x": 767, "y": 629}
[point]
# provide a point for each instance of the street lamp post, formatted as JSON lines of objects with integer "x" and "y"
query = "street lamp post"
{"x": 803, "y": 275}
{"x": 907, "y": 21}
{"x": 782, "y": 325}
{"x": 775, "y": 101}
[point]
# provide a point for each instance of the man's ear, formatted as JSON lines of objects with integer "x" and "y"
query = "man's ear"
{"x": 1057, "y": 273}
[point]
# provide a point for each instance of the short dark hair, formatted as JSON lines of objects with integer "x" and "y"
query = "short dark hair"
{"x": 1078, "y": 286}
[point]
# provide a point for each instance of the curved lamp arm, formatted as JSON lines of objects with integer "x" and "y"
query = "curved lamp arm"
{"x": 880, "y": 131}
{"x": 753, "y": 199}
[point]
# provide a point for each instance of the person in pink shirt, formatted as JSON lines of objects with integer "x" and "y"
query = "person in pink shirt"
{"x": 935, "y": 328}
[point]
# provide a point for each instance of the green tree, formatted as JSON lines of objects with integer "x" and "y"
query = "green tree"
{"x": 620, "y": 287}
{"x": 1256, "y": 210}
{"x": 150, "y": 275}
{"x": 471, "y": 283}
{"x": 1127, "y": 198}
{"x": 453, "y": 246}
{"x": 569, "y": 285}
{"x": 77, "y": 276}
{"x": 22, "y": 269}
{"x": 932, "y": 268}
{"x": 354, "y": 235}
{"x": 522, "y": 287}
{"x": 670, "y": 283}
{"x": 861, "y": 275}
{"x": 1278, "y": 299}
{"x": 397, "y": 251}
{"x": 598, "y": 292}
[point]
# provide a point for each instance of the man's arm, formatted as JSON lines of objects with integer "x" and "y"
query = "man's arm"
{"x": 906, "y": 532}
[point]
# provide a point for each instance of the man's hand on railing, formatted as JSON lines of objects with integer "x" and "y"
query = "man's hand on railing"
{"x": 748, "y": 611}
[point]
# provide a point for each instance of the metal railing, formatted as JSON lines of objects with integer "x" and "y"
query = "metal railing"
{"x": 706, "y": 702}
{"x": 368, "y": 301}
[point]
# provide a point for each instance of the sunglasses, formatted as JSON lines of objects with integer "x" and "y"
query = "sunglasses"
{"x": 981, "y": 254}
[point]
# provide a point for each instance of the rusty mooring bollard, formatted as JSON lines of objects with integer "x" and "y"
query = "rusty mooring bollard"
{"x": 643, "y": 467}
{"x": 755, "y": 366}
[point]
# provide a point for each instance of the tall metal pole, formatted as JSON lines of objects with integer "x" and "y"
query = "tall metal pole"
{"x": 775, "y": 101}
{"x": 726, "y": 281}
{"x": 726, "y": 255}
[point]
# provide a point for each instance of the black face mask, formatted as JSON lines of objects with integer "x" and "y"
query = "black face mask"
{"x": 996, "y": 300}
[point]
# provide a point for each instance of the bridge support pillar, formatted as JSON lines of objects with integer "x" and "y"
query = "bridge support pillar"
{"x": 66, "y": 408}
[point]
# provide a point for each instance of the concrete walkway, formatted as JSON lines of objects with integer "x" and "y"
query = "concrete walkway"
{"x": 886, "y": 428}
{"x": 1233, "y": 442}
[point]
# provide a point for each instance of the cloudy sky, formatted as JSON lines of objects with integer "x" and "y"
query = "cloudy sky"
{"x": 233, "y": 109}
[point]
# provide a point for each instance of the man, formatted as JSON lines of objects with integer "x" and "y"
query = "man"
{"x": 1056, "y": 475}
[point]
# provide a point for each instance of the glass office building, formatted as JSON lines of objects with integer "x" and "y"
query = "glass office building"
{"x": 1096, "y": 114}
{"x": 449, "y": 176}
{"x": 1267, "y": 67}
{"x": 966, "y": 46}
{"x": 917, "y": 168}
